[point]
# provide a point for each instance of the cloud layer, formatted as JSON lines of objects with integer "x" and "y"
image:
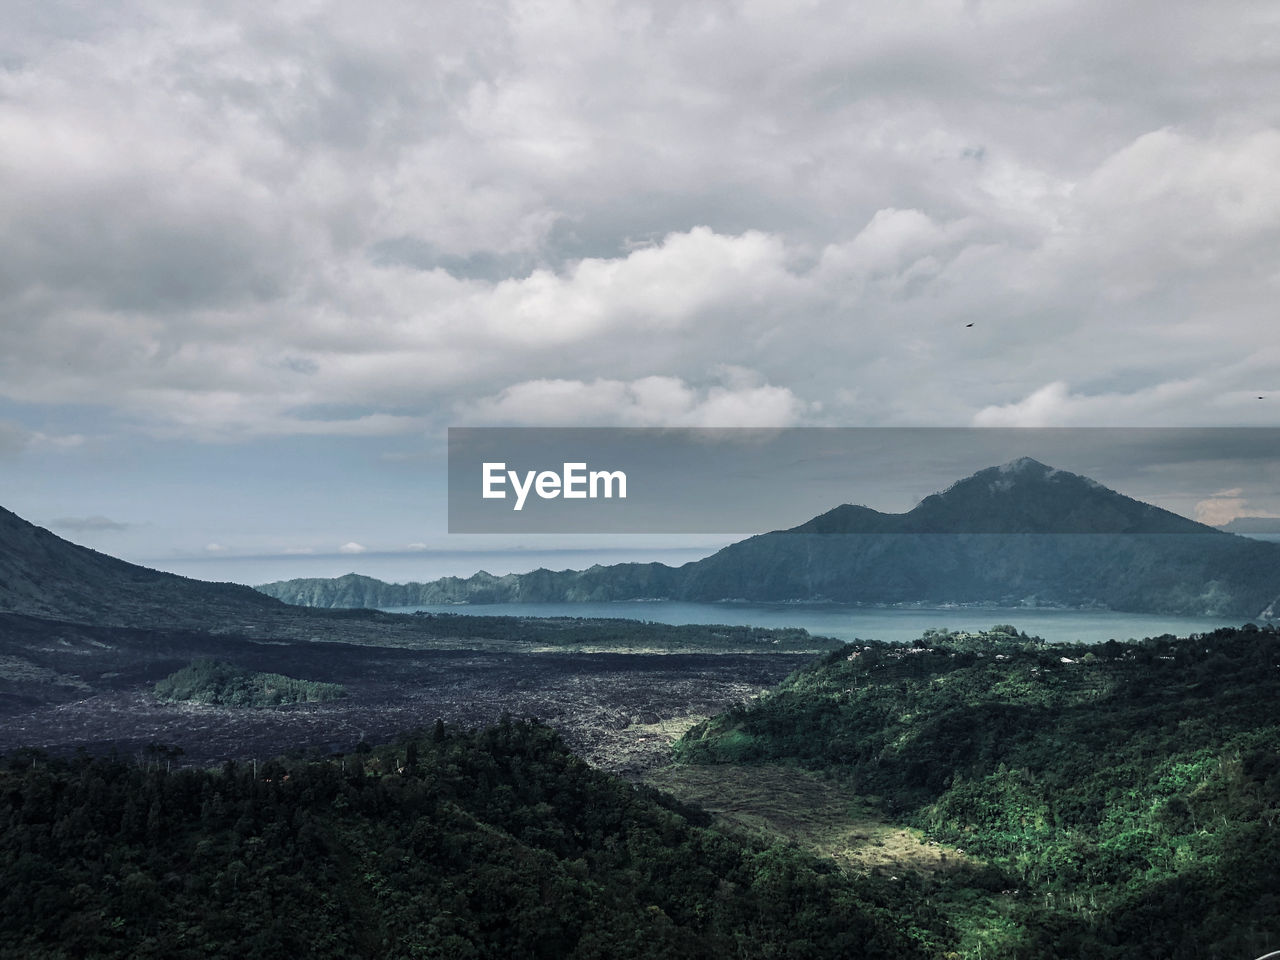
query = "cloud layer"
{"x": 228, "y": 221}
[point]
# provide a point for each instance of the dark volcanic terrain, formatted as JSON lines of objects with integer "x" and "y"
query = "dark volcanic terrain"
{"x": 84, "y": 638}
{"x": 66, "y": 687}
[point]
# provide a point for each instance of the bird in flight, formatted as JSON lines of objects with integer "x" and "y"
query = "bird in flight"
{"x": 970, "y": 325}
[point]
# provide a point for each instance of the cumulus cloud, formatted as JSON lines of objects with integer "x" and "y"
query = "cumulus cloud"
{"x": 244, "y": 221}
{"x": 646, "y": 402}
{"x": 1226, "y": 505}
{"x": 1198, "y": 401}
{"x": 352, "y": 547}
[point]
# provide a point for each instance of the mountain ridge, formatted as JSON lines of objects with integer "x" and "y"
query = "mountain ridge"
{"x": 43, "y": 575}
{"x": 1022, "y": 496}
{"x": 1022, "y": 533}
{"x": 1252, "y": 525}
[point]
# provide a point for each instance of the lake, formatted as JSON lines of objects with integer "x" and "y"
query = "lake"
{"x": 896, "y": 625}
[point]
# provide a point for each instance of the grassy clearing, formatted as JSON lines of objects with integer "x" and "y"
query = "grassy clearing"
{"x": 775, "y": 800}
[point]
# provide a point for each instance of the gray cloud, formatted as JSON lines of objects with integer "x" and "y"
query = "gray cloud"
{"x": 13, "y": 439}
{"x": 219, "y": 219}
{"x": 95, "y": 524}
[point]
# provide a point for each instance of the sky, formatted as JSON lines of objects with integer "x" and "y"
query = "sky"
{"x": 255, "y": 259}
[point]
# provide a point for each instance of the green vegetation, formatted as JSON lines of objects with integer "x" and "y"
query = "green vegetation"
{"x": 218, "y": 683}
{"x": 448, "y": 845}
{"x": 767, "y": 801}
{"x": 1126, "y": 797}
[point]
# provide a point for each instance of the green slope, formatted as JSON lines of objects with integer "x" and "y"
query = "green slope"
{"x": 1131, "y": 795}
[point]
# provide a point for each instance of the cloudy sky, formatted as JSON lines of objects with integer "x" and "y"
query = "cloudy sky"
{"x": 256, "y": 258}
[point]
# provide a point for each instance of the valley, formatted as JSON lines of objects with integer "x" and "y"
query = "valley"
{"x": 64, "y": 687}
{"x": 963, "y": 795}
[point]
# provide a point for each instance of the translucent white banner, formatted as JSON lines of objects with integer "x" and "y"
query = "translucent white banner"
{"x": 741, "y": 481}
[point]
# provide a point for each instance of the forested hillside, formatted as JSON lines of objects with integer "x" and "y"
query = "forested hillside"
{"x": 451, "y": 845}
{"x": 1129, "y": 793}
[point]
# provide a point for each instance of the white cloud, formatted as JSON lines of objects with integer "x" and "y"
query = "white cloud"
{"x": 646, "y": 402}
{"x": 891, "y": 244}
{"x": 1172, "y": 207}
{"x": 1225, "y": 505}
{"x": 1193, "y": 402}
{"x": 352, "y": 547}
{"x": 652, "y": 288}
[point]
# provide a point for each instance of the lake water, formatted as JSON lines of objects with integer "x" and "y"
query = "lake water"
{"x": 866, "y": 623}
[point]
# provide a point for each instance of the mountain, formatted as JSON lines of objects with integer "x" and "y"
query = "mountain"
{"x": 1018, "y": 534}
{"x": 598, "y": 583}
{"x": 1248, "y": 525}
{"x": 1020, "y": 497}
{"x": 42, "y": 575}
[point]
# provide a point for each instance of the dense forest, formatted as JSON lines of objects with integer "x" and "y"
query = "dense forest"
{"x": 1129, "y": 794}
{"x": 219, "y": 683}
{"x": 498, "y": 843}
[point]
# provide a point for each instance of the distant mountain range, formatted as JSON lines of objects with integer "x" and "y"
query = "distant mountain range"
{"x": 1013, "y": 535}
{"x": 1247, "y": 525}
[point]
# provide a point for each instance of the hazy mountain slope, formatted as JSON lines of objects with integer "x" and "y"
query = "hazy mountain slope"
{"x": 1019, "y": 533}
{"x": 599, "y": 583}
{"x": 1022, "y": 532}
{"x": 43, "y": 575}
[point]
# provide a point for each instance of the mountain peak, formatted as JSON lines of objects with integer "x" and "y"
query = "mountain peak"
{"x": 1024, "y": 465}
{"x": 1024, "y": 470}
{"x": 1027, "y": 496}
{"x": 1021, "y": 496}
